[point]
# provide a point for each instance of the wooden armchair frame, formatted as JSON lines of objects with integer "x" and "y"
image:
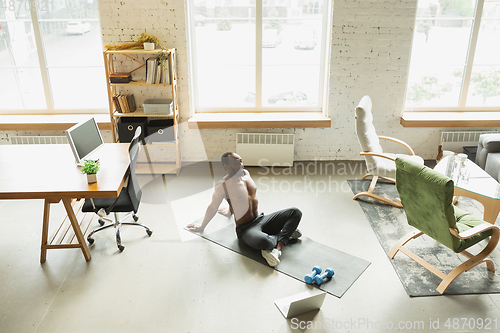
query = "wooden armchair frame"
{"x": 473, "y": 261}
{"x": 369, "y": 193}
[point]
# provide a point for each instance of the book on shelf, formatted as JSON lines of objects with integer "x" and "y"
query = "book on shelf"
{"x": 120, "y": 77}
{"x": 158, "y": 72}
{"x": 131, "y": 103}
{"x": 151, "y": 66}
{"x": 166, "y": 69}
{"x": 123, "y": 103}
{"x": 117, "y": 104}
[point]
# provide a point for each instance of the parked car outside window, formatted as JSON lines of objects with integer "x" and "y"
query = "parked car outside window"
{"x": 305, "y": 39}
{"x": 271, "y": 37}
{"x": 77, "y": 27}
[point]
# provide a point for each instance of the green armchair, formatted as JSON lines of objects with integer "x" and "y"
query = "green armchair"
{"x": 427, "y": 198}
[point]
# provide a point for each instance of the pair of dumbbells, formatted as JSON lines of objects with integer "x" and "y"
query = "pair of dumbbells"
{"x": 315, "y": 276}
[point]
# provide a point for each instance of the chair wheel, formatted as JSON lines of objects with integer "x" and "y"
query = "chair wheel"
{"x": 101, "y": 222}
{"x": 121, "y": 248}
{"x": 90, "y": 240}
{"x": 135, "y": 217}
{"x": 149, "y": 232}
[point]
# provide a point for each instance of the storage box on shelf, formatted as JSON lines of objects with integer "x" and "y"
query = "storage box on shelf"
{"x": 161, "y": 153}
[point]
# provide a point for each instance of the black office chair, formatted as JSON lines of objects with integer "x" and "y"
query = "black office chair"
{"x": 127, "y": 202}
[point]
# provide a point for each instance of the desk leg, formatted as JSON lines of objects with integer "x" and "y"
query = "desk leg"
{"x": 76, "y": 228}
{"x": 491, "y": 210}
{"x": 45, "y": 230}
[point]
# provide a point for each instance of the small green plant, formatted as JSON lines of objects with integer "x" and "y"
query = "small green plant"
{"x": 90, "y": 167}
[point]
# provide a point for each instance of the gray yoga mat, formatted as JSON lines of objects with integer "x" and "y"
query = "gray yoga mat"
{"x": 298, "y": 258}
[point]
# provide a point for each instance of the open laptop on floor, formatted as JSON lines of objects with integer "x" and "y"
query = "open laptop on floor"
{"x": 298, "y": 304}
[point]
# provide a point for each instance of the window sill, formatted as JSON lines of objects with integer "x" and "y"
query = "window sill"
{"x": 60, "y": 122}
{"x": 259, "y": 120}
{"x": 451, "y": 119}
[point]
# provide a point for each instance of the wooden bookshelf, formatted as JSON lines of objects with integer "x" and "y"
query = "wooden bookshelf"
{"x": 151, "y": 164}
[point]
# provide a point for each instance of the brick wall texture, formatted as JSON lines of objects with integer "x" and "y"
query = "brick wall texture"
{"x": 370, "y": 53}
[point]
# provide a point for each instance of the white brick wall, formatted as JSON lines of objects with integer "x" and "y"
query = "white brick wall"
{"x": 371, "y": 45}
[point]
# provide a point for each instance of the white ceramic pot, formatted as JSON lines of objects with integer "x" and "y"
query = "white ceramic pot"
{"x": 149, "y": 46}
{"x": 92, "y": 178}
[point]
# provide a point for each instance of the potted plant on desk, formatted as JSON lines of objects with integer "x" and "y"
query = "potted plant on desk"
{"x": 90, "y": 168}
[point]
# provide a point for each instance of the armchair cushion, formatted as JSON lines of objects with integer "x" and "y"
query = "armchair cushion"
{"x": 370, "y": 142}
{"x": 466, "y": 221}
{"x": 367, "y": 136}
{"x": 427, "y": 198}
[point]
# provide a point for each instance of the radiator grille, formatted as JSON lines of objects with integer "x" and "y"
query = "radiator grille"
{"x": 38, "y": 140}
{"x": 265, "y": 149}
{"x": 455, "y": 141}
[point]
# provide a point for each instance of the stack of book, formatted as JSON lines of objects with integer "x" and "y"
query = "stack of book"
{"x": 124, "y": 103}
{"x": 157, "y": 72}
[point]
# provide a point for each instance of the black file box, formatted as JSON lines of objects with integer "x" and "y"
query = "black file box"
{"x": 128, "y": 125}
{"x": 161, "y": 130}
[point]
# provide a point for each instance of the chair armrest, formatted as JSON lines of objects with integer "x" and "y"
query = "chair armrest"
{"x": 369, "y": 153}
{"x": 473, "y": 231}
{"x": 388, "y": 138}
{"x": 490, "y": 142}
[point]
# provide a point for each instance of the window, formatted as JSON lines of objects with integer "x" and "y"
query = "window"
{"x": 258, "y": 55}
{"x": 454, "y": 61}
{"x": 51, "y": 57}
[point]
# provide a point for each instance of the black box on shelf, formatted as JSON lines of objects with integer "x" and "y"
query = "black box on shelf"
{"x": 470, "y": 151}
{"x": 161, "y": 130}
{"x": 122, "y": 77}
{"x": 128, "y": 125}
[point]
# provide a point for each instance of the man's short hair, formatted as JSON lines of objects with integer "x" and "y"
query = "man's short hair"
{"x": 225, "y": 157}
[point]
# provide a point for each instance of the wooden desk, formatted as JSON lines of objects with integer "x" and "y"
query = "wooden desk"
{"x": 49, "y": 172}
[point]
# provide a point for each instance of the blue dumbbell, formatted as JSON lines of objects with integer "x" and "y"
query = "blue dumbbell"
{"x": 318, "y": 279}
{"x": 309, "y": 278}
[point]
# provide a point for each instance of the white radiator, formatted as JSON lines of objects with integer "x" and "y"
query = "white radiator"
{"x": 455, "y": 141}
{"x": 37, "y": 140}
{"x": 265, "y": 149}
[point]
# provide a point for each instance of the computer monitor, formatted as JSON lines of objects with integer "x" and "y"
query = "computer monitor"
{"x": 84, "y": 138}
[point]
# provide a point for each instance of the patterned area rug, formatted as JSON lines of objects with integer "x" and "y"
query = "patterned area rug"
{"x": 389, "y": 224}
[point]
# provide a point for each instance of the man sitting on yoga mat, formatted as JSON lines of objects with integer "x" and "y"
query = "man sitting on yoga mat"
{"x": 268, "y": 233}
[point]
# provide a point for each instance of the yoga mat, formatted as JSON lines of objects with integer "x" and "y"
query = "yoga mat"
{"x": 298, "y": 258}
{"x": 389, "y": 224}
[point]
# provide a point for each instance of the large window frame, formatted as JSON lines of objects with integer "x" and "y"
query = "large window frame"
{"x": 469, "y": 64}
{"x": 43, "y": 67}
{"x": 324, "y": 43}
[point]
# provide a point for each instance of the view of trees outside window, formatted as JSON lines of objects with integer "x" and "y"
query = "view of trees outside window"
{"x": 72, "y": 47}
{"x": 442, "y": 42}
{"x": 226, "y": 59}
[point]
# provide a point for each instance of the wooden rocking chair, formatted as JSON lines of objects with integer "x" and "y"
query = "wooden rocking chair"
{"x": 427, "y": 198}
{"x": 379, "y": 164}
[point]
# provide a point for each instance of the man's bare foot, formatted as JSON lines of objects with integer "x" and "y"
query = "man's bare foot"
{"x": 224, "y": 211}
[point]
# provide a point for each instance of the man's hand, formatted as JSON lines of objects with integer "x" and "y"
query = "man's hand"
{"x": 195, "y": 227}
{"x": 224, "y": 211}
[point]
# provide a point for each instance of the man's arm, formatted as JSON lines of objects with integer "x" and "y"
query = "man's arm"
{"x": 217, "y": 198}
